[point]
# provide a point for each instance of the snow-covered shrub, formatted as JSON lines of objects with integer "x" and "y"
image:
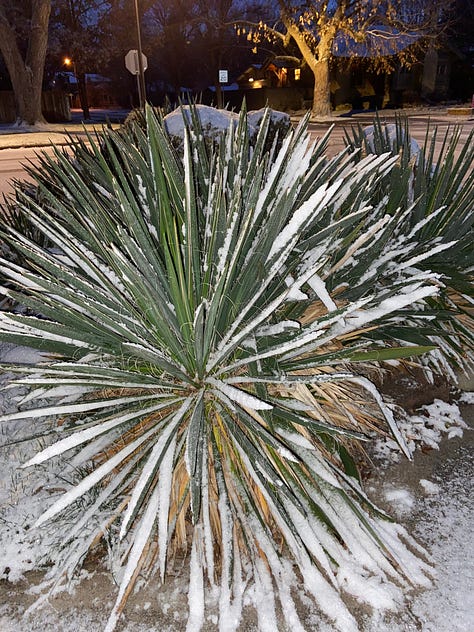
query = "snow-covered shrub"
{"x": 280, "y": 125}
{"x": 434, "y": 187}
{"x": 19, "y": 221}
{"x": 211, "y": 311}
{"x": 135, "y": 117}
{"x": 388, "y": 137}
{"x": 213, "y": 124}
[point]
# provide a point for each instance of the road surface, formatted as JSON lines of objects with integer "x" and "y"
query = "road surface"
{"x": 418, "y": 128}
{"x": 12, "y": 159}
{"x": 12, "y": 163}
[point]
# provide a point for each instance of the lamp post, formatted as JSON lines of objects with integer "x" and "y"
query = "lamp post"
{"x": 81, "y": 86}
{"x": 69, "y": 62}
{"x": 141, "y": 73}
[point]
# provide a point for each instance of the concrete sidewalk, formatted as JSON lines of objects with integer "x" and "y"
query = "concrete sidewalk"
{"x": 12, "y": 137}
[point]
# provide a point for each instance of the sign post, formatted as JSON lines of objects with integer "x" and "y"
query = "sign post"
{"x": 223, "y": 78}
{"x": 141, "y": 69}
{"x": 137, "y": 64}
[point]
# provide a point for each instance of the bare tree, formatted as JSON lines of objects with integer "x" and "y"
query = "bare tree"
{"x": 218, "y": 38}
{"x": 383, "y": 28}
{"x": 80, "y": 30}
{"x": 171, "y": 31}
{"x": 23, "y": 44}
{"x": 192, "y": 39}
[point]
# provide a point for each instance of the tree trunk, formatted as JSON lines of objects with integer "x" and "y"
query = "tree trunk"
{"x": 318, "y": 62}
{"x": 27, "y": 89}
{"x": 26, "y": 74}
{"x": 322, "y": 90}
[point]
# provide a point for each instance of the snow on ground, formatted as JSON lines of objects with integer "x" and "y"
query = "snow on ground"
{"x": 424, "y": 430}
{"x": 432, "y": 496}
{"x": 440, "y": 515}
{"x": 450, "y": 606}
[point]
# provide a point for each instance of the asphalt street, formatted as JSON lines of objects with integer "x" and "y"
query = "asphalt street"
{"x": 19, "y": 147}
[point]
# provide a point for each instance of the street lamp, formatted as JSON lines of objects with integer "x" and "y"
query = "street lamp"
{"x": 81, "y": 86}
{"x": 69, "y": 62}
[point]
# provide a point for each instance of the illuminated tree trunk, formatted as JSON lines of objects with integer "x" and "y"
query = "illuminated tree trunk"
{"x": 319, "y": 64}
{"x": 322, "y": 91}
{"x": 313, "y": 25}
{"x": 26, "y": 74}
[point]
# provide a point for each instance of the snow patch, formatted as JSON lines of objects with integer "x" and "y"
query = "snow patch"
{"x": 424, "y": 429}
{"x": 400, "y": 499}
{"x": 467, "y": 398}
{"x": 429, "y": 487}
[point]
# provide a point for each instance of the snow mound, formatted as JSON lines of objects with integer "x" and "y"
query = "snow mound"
{"x": 390, "y": 132}
{"x": 214, "y": 122}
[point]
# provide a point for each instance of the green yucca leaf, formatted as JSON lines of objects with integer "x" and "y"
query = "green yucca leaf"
{"x": 436, "y": 186}
{"x": 92, "y": 479}
{"x": 153, "y": 463}
{"x": 352, "y": 354}
{"x": 196, "y": 444}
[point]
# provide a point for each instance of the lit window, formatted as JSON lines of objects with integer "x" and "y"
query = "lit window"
{"x": 297, "y": 74}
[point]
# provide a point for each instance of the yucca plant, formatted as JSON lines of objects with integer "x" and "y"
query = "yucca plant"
{"x": 202, "y": 308}
{"x": 13, "y": 216}
{"x": 434, "y": 185}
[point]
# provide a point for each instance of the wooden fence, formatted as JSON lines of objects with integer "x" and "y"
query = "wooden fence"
{"x": 55, "y": 106}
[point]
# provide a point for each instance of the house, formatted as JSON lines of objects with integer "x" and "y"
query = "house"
{"x": 99, "y": 89}
{"x": 277, "y": 83}
{"x": 284, "y": 83}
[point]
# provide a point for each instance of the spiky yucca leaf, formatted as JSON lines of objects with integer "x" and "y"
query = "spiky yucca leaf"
{"x": 180, "y": 295}
{"x": 434, "y": 185}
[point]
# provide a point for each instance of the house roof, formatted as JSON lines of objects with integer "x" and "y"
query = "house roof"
{"x": 283, "y": 61}
{"x": 278, "y": 61}
{"x": 253, "y": 70}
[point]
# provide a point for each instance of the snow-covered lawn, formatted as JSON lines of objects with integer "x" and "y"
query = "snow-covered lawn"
{"x": 432, "y": 496}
